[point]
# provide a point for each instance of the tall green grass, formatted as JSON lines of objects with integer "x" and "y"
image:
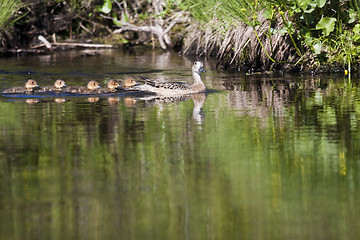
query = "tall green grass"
{"x": 320, "y": 31}
{"x": 7, "y": 9}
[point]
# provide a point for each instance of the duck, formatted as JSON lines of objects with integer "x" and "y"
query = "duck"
{"x": 90, "y": 88}
{"x": 112, "y": 86}
{"x": 57, "y": 87}
{"x": 128, "y": 83}
{"x": 175, "y": 88}
{"x": 29, "y": 87}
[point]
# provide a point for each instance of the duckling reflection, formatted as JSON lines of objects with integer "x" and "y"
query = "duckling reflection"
{"x": 29, "y": 87}
{"x": 32, "y": 101}
{"x": 57, "y": 87}
{"x": 113, "y": 100}
{"x": 89, "y": 89}
{"x": 59, "y": 100}
{"x": 130, "y": 102}
{"x": 93, "y": 99}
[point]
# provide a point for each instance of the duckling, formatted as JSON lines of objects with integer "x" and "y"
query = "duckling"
{"x": 57, "y": 87}
{"x": 175, "y": 88}
{"x": 89, "y": 89}
{"x": 29, "y": 87}
{"x": 128, "y": 83}
{"x": 112, "y": 86}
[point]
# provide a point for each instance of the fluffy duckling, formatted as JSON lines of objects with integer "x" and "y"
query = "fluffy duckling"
{"x": 90, "y": 88}
{"x": 112, "y": 86}
{"x": 175, "y": 88}
{"x": 128, "y": 83}
{"x": 57, "y": 87}
{"x": 29, "y": 87}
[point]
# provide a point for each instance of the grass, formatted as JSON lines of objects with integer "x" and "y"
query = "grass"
{"x": 236, "y": 32}
{"x": 275, "y": 33}
{"x": 8, "y": 7}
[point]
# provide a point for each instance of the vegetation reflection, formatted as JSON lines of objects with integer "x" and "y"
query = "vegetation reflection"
{"x": 266, "y": 156}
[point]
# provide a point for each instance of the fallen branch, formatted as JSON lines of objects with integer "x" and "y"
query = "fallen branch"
{"x": 46, "y": 42}
{"x": 84, "y": 45}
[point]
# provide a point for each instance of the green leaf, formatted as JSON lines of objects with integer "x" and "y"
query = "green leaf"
{"x": 268, "y": 13}
{"x": 308, "y": 41}
{"x": 273, "y": 31}
{"x": 326, "y": 24}
{"x": 116, "y": 21}
{"x": 311, "y": 9}
{"x": 283, "y": 31}
{"x": 105, "y": 8}
{"x": 320, "y": 3}
{"x": 356, "y": 28}
{"x": 317, "y": 48}
{"x": 352, "y": 16}
{"x": 124, "y": 18}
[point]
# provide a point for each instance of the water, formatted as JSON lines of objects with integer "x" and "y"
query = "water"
{"x": 258, "y": 157}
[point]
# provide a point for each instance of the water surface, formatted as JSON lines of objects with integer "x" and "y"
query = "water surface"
{"x": 262, "y": 157}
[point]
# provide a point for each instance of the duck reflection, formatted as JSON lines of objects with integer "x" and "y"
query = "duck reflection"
{"x": 32, "y": 100}
{"x": 59, "y": 100}
{"x": 113, "y": 100}
{"x": 130, "y": 102}
{"x": 198, "y": 100}
{"x": 93, "y": 99}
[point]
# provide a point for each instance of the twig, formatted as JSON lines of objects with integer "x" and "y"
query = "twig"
{"x": 97, "y": 24}
{"x": 83, "y": 27}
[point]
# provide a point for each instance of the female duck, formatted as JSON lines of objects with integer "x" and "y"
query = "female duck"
{"x": 57, "y": 87}
{"x": 90, "y": 88}
{"x": 29, "y": 87}
{"x": 175, "y": 88}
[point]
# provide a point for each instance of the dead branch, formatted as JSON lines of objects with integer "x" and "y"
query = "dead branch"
{"x": 157, "y": 29}
{"x": 84, "y": 45}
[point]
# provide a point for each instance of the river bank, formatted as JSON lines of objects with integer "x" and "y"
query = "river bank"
{"x": 243, "y": 35}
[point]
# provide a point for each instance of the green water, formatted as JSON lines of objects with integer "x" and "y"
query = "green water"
{"x": 266, "y": 157}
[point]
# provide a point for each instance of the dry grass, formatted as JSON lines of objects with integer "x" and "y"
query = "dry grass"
{"x": 237, "y": 44}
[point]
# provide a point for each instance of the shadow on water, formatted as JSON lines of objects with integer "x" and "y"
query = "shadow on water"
{"x": 256, "y": 157}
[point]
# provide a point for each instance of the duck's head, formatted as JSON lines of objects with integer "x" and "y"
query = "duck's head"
{"x": 198, "y": 67}
{"x": 112, "y": 85}
{"x": 93, "y": 85}
{"x": 59, "y": 84}
{"x": 129, "y": 82}
{"x": 31, "y": 84}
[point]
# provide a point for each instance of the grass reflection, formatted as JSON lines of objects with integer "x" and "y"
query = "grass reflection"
{"x": 270, "y": 160}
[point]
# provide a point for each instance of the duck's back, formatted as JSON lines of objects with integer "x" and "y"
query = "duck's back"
{"x": 48, "y": 89}
{"x": 75, "y": 89}
{"x": 17, "y": 90}
{"x": 80, "y": 90}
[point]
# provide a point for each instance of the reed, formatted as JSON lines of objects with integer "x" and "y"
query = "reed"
{"x": 8, "y": 7}
{"x": 276, "y": 33}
